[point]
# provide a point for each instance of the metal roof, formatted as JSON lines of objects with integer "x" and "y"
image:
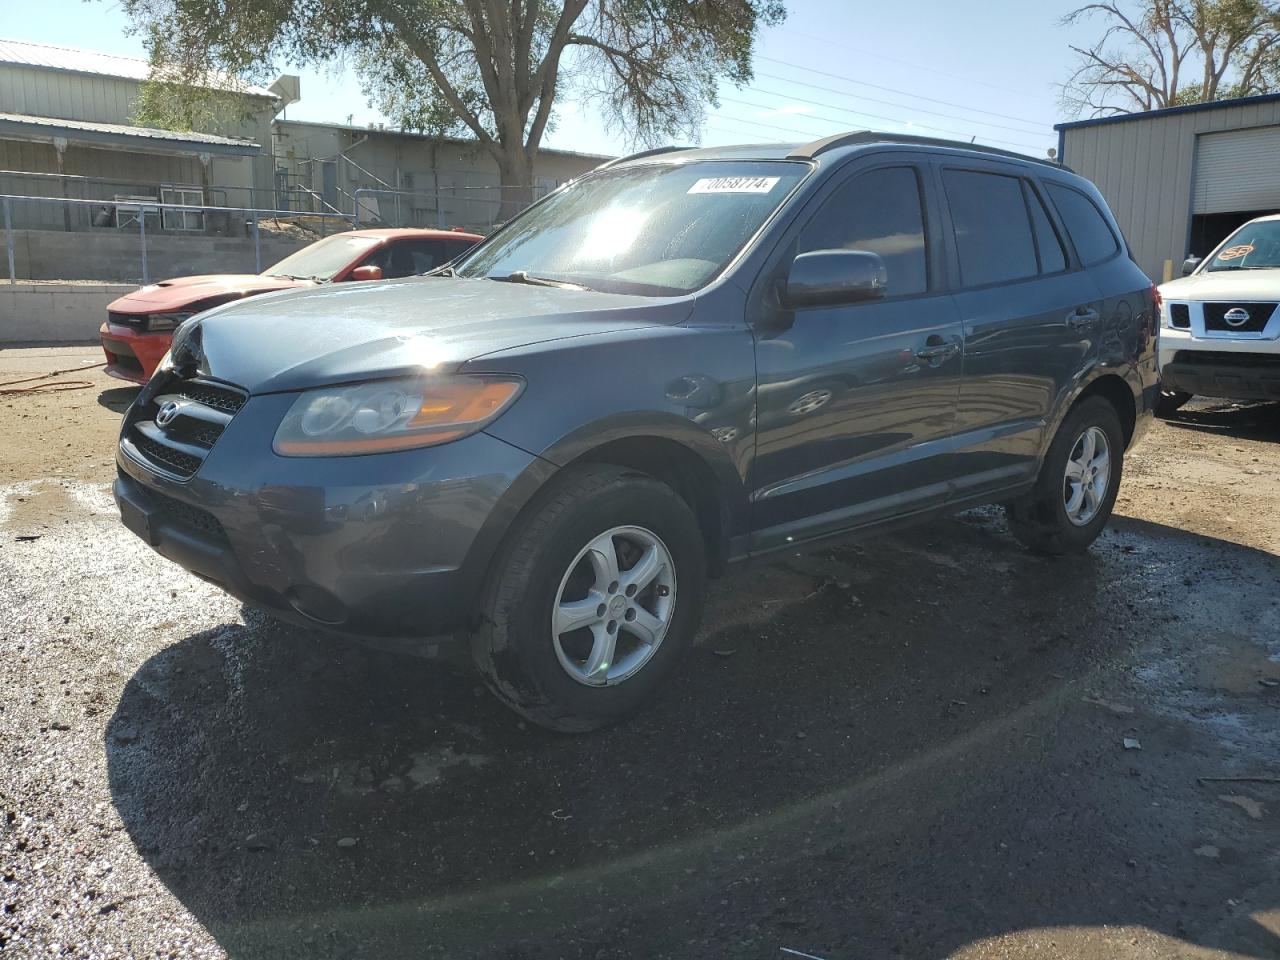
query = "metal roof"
{"x": 71, "y": 60}
{"x": 118, "y": 134}
{"x": 1170, "y": 111}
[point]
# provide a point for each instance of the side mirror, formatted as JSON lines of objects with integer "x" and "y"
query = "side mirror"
{"x": 830, "y": 278}
{"x": 366, "y": 273}
{"x": 1189, "y": 265}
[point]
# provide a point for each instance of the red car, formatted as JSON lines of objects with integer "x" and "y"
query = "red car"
{"x": 140, "y": 325}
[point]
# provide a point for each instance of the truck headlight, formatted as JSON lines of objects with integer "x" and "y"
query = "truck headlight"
{"x": 389, "y": 415}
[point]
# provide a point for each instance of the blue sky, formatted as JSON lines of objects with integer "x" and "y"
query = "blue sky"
{"x": 938, "y": 68}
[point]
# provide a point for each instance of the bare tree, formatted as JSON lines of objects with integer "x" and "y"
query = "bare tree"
{"x": 1162, "y": 53}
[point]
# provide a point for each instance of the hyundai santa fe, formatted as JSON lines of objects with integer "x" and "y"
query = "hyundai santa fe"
{"x": 681, "y": 360}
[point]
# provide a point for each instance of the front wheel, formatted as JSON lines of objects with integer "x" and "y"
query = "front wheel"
{"x": 1079, "y": 479}
{"x": 593, "y": 601}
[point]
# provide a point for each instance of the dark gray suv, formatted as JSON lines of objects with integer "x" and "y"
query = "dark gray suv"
{"x": 681, "y": 360}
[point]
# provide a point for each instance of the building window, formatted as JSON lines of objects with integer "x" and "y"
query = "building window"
{"x": 191, "y": 220}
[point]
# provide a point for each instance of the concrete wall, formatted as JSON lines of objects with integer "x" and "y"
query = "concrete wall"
{"x": 111, "y": 255}
{"x": 54, "y": 312}
{"x": 1145, "y": 167}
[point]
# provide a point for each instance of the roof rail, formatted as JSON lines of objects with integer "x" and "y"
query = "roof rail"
{"x": 637, "y": 156}
{"x": 855, "y": 137}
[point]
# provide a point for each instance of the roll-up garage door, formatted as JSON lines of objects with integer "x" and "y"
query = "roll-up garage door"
{"x": 1238, "y": 170}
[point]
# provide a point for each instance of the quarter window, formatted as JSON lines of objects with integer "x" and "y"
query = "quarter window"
{"x": 992, "y": 229}
{"x": 880, "y": 212}
{"x": 1086, "y": 225}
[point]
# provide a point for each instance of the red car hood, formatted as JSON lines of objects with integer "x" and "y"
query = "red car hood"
{"x": 170, "y": 295}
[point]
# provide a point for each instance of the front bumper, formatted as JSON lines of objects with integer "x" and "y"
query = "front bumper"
{"x": 1212, "y": 367}
{"x": 132, "y": 354}
{"x": 388, "y": 546}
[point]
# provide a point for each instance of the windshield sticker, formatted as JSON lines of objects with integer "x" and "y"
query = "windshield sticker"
{"x": 734, "y": 185}
{"x": 1236, "y": 252}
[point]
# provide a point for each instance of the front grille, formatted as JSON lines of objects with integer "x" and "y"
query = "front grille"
{"x": 1180, "y": 316}
{"x": 196, "y": 414}
{"x": 211, "y": 395}
{"x": 1215, "y": 316}
{"x": 174, "y": 461}
{"x": 138, "y": 320}
{"x": 206, "y": 435}
{"x": 1214, "y": 358}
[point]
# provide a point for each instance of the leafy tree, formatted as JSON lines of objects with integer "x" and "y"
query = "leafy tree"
{"x": 493, "y": 68}
{"x": 1163, "y": 53}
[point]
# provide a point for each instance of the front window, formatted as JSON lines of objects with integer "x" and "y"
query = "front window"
{"x": 656, "y": 229}
{"x": 322, "y": 259}
{"x": 1255, "y": 246}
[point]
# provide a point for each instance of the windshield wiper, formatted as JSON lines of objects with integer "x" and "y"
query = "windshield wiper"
{"x": 524, "y": 276}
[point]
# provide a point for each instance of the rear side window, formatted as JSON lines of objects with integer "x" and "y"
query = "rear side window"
{"x": 878, "y": 211}
{"x": 1086, "y": 225}
{"x": 992, "y": 229}
{"x": 1053, "y": 258}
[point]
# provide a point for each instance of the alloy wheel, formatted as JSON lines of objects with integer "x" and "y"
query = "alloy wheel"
{"x": 614, "y": 606}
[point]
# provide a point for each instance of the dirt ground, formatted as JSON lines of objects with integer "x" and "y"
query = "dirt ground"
{"x": 909, "y": 747}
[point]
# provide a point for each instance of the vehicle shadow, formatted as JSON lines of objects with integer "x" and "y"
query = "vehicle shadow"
{"x": 889, "y": 751}
{"x": 1244, "y": 421}
{"x": 118, "y": 398}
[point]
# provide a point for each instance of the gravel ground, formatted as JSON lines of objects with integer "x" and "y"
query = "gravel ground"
{"x": 914, "y": 746}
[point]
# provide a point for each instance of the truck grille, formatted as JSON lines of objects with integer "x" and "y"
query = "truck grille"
{"x": 174, "y": 430}
{"x": 1215, "y": 316}
{"x": 1180, "y": 316}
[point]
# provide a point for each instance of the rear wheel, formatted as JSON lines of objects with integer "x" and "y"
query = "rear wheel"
{"x": 1170, "y": 401}
{"x": 1074, "y": 495}
{"x": 593, "y": 601}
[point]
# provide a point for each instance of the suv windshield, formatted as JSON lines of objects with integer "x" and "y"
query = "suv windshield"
{"x": 322, "y": 259}
{"x": 656, "y": 229}
{"x": 1255, "y": 246}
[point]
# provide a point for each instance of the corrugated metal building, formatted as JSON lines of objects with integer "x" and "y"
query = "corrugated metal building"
{"x": 66, "y": 129}
{"x": 1180, "y": 180}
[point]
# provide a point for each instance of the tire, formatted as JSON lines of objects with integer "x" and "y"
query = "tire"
{"x": 546, "y": 676}
{"x": 1041, "y": 520}
{"x": 1170, "y": 401}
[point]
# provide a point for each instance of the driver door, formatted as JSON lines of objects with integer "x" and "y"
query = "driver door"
{"x": 855, "y": 404}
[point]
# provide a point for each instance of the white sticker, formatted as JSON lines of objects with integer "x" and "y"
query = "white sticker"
{"x": 734, "y": 185}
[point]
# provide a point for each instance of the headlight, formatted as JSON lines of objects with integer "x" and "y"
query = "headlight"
{"x": 391, "y": 415}
{"x": 166, "y": 321}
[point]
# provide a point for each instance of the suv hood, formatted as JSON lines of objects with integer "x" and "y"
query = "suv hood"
{"x": 309, "y": 338}
{"x": 1225, "y": 285}
{"x": 169, "y": 295}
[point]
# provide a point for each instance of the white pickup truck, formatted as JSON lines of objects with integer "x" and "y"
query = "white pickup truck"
{"x": 1219, "y": 325}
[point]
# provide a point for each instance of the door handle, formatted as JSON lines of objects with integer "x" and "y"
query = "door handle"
{"x": 937, "y": 350}
{"x": 1082, "y": 318}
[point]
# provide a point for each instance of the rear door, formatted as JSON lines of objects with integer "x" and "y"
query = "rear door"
{"x": 1030, "y": 314}
{"x": 853, "y": 402}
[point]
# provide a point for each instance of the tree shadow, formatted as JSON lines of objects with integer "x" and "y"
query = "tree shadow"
{"x": 1243, "y": 421}
{"x": 894, "y": 756}
{"x": 118, "y": 398}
